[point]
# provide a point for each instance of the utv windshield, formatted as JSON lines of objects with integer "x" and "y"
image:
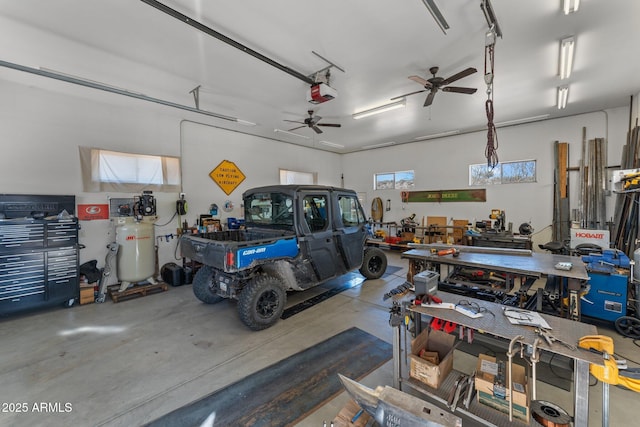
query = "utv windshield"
{"x": 269, "y": 209}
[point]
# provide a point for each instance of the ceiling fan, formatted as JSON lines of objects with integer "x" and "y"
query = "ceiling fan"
{"x": 438, "y": 83}
{"x": 312, "y": 122}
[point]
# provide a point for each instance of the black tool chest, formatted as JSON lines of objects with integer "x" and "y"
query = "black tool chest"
{"x": 38, "y": 263}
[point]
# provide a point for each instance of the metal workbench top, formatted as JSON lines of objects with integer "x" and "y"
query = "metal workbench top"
{"x": 530, "y": 264}
{"x": 498, "y": 325}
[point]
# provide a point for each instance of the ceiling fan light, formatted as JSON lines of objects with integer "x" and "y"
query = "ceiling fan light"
{"x": 567, "y": 47}
{"x": 563, "y": 97}
{"x": 570, "y": 6}
{"x": 381, "y": 109}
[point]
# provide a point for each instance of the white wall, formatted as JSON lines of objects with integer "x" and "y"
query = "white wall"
{"x": 41, "y": 130}
{"x": 443, "y": 164}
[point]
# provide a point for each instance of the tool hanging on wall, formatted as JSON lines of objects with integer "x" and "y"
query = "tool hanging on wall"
{"x": 492, "y": 136}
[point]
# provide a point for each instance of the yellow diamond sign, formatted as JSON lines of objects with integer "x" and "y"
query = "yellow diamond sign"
{"x": 227, "y": 175}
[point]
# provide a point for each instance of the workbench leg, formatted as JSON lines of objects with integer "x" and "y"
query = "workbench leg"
{"x": 605, "y": 404}
{"x": 581, "y": 381}
{"x": 397, "y": 359}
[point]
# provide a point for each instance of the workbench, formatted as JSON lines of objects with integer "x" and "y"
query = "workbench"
{"x": 514, "y": 261}
{"x": 499, "y": 326}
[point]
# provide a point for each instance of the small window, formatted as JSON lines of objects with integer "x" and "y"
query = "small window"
{"x": 504, "y": 173}
{"x": 315, "y": 212}
{"x": 350, "y": 211}
{"x": 293, "y": 177}
{"x": 104, "y": 170}
{"x": 269, "y": 209}
{"x": 402, "y": 180}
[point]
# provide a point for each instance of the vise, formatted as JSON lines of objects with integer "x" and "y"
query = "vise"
{"x": 607, "y": 261}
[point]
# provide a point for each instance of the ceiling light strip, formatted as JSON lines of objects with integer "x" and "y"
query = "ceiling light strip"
{"x": 112, "y": 89}
{"x": 291, "y": 133}
{"x": 437, "y": 135}
{"x": 332, "y": 144}
{"x": 523, "y": 120}
{"x": 563, "y": 97}
{"x": 567, "y": 47}
{"x": 384, "y": 144}
{"x": 437, "y": 15}
{"x": 381, "y": 109}
{"x": 570, "y": 6}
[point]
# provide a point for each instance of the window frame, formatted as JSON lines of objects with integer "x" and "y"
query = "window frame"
{"x": 475, "y": 180}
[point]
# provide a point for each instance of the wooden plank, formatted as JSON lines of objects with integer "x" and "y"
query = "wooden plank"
{"x": 136, "y": 291}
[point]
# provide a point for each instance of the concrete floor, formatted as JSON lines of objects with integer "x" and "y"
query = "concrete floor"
{"x": 129, "y": 363}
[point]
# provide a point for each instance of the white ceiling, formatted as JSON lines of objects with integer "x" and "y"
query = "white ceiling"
{"x": 379, "y": 43}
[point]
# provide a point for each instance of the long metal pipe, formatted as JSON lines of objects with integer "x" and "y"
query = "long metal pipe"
{"x": 105, "y": 88}
{"x": 535, "y": 358}
{"x": 197, "y": 25}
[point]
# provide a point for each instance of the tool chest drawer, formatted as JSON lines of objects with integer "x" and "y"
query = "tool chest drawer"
{"x": 62, "y": 233}
{"x": 21, "y": 235}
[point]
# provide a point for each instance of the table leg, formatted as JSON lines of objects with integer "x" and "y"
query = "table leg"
{"x": 581, "y": 381}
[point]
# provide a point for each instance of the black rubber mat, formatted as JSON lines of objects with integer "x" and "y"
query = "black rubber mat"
{"x": 341, "y": 284}
{"x": 287, "y": 391}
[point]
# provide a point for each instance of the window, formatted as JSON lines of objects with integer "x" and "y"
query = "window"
{"x": 350, "y": 211}
{"x": 293, "y": 177}
{"x": 503, "y": 173}
{"x": 315, "y": 212}
{"x": 402, "y": 180}
{"x": 104, "y": 170}
{"x": 269, "y": 209}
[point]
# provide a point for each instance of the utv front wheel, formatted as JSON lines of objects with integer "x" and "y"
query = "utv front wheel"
{"x": 203, "y": 287}
{"x": 374, "y": 263}
{"x": 261, "y": 302}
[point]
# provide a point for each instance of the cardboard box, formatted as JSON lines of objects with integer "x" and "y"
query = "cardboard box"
{"x": 86, "y": 294}
{"x": 485, "y": 375}
{"x": 436, "y": 341}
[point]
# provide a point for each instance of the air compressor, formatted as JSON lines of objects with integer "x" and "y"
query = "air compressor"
{"x": 135, "y": 236}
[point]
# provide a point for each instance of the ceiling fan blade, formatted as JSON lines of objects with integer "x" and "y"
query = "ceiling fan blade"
{"x": 407, "y": 94}
{"x": 429, "y": 99}
{"x": 467, "y": 90}
{"x": 332, "y": 125}
{"x": 299, "y": 127}
{"x": 461, "y": 74}
{"x": 420, "y": 80}
{"x": 314, "y": 120}
{"x": 316, "y": 128}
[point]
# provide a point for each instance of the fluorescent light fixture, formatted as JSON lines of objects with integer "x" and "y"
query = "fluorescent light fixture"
{"x": 570, "y": 6}
{"x": 384, "y": 144}
{"x": 563, "y": 96}
{"x": 245, "y": 122}
{"x": 332, "y": 144}
{"x": 381, "y": 109}
{"x": 437, "y": 135}
{"x": 567, "y": 47}
{"x": 437, "y": 15}
{"x": 291, "y": 133}
{"x": 523, "y": 120}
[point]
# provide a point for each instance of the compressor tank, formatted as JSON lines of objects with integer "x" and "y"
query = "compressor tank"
{"x": 136, "y": 254}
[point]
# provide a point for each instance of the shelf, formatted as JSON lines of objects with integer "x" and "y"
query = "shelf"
{"x": 477, "y": 412}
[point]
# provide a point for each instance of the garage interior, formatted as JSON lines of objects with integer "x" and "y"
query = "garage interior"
{"x": 485, "y": 128}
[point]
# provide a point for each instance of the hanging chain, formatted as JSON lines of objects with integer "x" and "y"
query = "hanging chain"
{"x": 492, "y": 137}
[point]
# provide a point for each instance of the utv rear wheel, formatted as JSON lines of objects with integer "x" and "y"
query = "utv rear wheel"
{"x": 374, "y": 263}
{"x": 203, "y": 287}
{"x": 261, "y": 302}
